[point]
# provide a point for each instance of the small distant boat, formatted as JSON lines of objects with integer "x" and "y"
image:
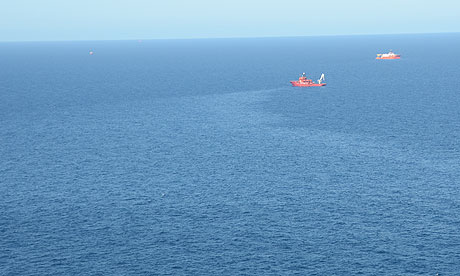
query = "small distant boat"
{"x": 390, "y": 55}
{"x": 304, "y": 82}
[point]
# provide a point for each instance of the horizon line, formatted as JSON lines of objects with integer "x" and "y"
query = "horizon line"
{"x": 228, "y": 37}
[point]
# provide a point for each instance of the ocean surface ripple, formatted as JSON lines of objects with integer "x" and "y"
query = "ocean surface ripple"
{"x": 196, "y": 157}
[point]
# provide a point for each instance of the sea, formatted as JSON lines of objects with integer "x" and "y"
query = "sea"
{"x": 198, "y": 157}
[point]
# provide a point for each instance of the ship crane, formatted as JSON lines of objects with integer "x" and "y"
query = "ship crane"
{"x": 321, "y": 79}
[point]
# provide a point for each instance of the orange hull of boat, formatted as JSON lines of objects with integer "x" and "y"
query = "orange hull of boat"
{"x": 395, "y": 57}
{"x": 301, "y": 84}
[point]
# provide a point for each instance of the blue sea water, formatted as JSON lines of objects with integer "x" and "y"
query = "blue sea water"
{"x": 197, "y": 157}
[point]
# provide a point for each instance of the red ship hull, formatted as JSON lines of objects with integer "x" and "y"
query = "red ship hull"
{"x": 303, "y": 84}
{"x": 394, "y": 57}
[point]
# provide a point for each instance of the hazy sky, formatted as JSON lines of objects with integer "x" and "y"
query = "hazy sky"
{"x": 144, "y": 19}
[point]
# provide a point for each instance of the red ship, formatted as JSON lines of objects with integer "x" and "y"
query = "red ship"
{"x": 390, "y": 55}
{"x": 304, "y": 82}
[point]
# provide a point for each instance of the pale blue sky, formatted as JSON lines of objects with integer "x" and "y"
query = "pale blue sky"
{"x": 149, "y": 19}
